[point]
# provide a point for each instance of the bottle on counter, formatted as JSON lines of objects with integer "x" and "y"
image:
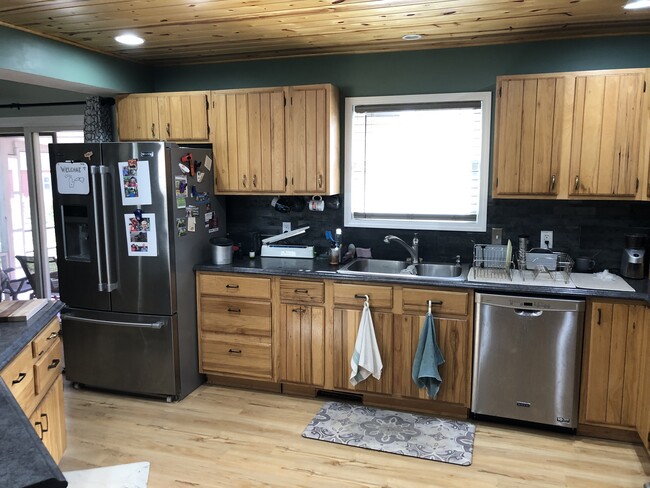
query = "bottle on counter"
{"x": 335, "y": 254}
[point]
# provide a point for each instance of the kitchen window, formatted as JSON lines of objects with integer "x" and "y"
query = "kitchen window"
{"x": 417, "y": 161}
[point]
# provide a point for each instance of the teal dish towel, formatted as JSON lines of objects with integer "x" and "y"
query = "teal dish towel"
{"x": 427, "y": 359}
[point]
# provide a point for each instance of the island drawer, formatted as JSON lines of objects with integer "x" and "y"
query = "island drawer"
{"x": 18, "y": 375}
{"x": 48, "y": 367}
{"x": 46, "y": 338}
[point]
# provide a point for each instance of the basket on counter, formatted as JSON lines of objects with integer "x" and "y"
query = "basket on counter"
{"x": 492, "y": 261}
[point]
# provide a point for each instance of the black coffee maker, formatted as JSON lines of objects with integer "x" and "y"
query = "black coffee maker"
{"x": 633, "y": 258}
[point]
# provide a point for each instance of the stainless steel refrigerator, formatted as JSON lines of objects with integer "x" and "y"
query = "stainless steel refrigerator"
{"x": 131, "y": 220}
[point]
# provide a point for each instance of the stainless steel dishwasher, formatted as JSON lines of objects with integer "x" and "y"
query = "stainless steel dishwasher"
{"x": 527, "y": 354}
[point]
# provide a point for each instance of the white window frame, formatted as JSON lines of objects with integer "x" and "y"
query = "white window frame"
{"x": 480, "y": 225}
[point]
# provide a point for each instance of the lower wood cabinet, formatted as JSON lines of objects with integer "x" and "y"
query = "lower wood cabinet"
{"x": 345, "y": 330}
{"x": 612, "y": 364}
{"x": 454, "y": 337}
{"x": 34, "y": 378}
{"x": 302, "y": 343}
{"x": 643, "y": 411}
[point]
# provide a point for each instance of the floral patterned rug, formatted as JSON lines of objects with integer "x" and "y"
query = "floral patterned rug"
{"x": 448, "y": 441}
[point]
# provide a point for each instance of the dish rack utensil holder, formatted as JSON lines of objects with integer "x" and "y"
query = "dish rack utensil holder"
{"x": 562, "y": 272}
{"x": 492, "y": 261}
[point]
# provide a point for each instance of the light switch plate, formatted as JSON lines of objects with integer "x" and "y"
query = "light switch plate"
{"x": 286, "y": 227}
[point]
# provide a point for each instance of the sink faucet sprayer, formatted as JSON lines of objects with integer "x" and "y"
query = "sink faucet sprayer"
{"x": 413, "y": 250}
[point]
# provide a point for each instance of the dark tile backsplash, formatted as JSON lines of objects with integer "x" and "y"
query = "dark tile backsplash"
{"x": 580, "y": 228}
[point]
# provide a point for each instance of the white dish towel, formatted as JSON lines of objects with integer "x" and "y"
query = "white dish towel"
{"x": 366, "y": 359}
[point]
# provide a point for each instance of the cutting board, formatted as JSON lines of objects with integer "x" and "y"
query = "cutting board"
{"x": 592, "y": 282}
{"x": 19, "y": 310}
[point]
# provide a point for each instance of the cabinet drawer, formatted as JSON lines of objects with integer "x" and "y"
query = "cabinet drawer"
{"x": 230, "y": 316}
{"x": 18, "y": 375}
{"x": 235, "y": 286}
{"x": 453, "y": 302}
{"x": 236, "y": 354}
{"x": 346, "y": 294}
{"x": 48, "y": 367}
{"x": 46, "y": 338}
{"x": 302, "y": 291}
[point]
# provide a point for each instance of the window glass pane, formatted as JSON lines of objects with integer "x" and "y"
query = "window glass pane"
{"x": 421, "y": 163}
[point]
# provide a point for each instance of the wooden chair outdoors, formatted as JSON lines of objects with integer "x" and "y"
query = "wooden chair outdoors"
{"x": 14, "y": 286}
{"x": 27, "y": 263}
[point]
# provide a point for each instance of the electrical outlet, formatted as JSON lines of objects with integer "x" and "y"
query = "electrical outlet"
{"x": 286, "y": 227}
{"x": 546, "y": 239}
{"x": 497, "y": 233}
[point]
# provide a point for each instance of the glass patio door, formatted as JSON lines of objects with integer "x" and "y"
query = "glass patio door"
{"x": 27, "y": 238}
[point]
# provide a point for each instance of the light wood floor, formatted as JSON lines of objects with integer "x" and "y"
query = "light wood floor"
{"x": 221, "y": 437}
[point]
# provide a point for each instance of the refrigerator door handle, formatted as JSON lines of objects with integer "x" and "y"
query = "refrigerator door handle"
{"x": 110, "y": 284}
{"x": 151, "y": 325}
{"x": 101, "y": 286}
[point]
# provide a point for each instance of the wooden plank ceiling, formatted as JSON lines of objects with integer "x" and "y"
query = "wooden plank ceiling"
{"x": 201, "y": 31}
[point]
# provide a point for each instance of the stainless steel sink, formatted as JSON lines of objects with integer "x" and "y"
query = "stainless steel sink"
{"x": 386, "y": 267}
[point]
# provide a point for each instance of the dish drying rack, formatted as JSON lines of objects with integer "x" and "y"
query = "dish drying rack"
{"x": 562, "y": 272}
{"x": 492, "y": 261}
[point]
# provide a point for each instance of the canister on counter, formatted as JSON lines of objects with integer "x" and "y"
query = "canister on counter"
{"x": 521, "y": 251}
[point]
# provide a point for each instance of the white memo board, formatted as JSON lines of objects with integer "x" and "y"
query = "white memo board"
{"x": 72, "y": 178}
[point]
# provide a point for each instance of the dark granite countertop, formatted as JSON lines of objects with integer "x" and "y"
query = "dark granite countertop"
{"x": 320, "y": 268}
{"x": 24, "y": 461}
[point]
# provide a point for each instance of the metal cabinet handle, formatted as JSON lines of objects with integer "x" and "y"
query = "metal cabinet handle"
{"x": 44, "y": 415}
{"x": 40, "y": 426}
{"x": 19, "y": 379}
{"x": 320, "y": 181}
{"x": 301, "y": 290}
{"x": 153, "y": 130}
{"x": 234, "y": 310}
{"x": 234, "y": 351}
{"x": 53, "y": 335}
{"x": 577, "y": 182}
{"x": 243, "y": 181}
{"x": 434, "y": 302}
{"x": 599, "y": 317}
{"x": 359, "y": 295}
{"x": 552, "y": 182}
{"x": 232, "y": 286}
{"x": 53, "y": 364}
{"x": 168, "y": 130}
{"x": 255, "y": 181}
{"x": 299, "y": 310}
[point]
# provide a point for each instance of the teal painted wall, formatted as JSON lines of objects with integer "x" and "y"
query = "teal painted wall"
{"x": 32, "y": 55}
{"x": 438, "y": 70}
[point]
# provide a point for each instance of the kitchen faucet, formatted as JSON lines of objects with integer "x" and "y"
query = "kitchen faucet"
{"x": 413, "y": 250}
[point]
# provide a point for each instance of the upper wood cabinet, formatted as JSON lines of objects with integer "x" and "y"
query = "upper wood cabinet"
{"x": 249, "y": 140}
{"x": 178, "y": 117}
{"x": 573, "y": 135}
{"x": 606, "y": 144}
{"x": 276, "y": 140}
{"x": 528, "y": 135}
{"x": 312, "y": 140}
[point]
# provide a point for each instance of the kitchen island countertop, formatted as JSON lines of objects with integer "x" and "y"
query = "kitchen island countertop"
{"x": 24, "y": 460}
{"x": 321, "y": 269}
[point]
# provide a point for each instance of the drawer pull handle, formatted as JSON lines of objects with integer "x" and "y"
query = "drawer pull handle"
{"x": 44, "y": 415}
{"x": 40, "y": 426}
{"x": 299, "y": 310}
{"x": 53, "y": 364}
{"x": 20, "y": 378}
{"x": 234, "y": 351}
{"x": 232, "y": 286}
{"x": 301, "y": 290}
{"x": 359, "y": 295}
{"x": 53, "y": 335}
{"x": 599, "y": 317}
{"x": 234, "y": 310}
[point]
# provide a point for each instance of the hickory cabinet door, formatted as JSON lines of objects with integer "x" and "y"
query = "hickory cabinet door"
{"x": 302, "y": 344}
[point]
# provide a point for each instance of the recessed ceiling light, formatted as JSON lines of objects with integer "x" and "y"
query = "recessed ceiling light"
{"x": 637, "y": 4}
{"x": 129, "y": 40}
{"x": 412, "y": 37}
